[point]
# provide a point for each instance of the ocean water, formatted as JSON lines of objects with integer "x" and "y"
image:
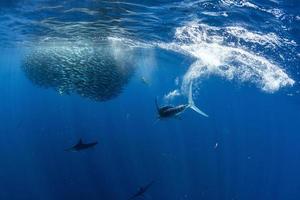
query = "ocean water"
{"x": 92, "y": 69}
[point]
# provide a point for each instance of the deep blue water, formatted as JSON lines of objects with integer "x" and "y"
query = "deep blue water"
{"x": 242, "y": 57}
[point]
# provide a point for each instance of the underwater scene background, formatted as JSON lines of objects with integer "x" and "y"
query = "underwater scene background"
{"x": 92, "y": 70}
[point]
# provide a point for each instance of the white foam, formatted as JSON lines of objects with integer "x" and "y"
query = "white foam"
{"x": 247, "y": 4}
{"x": 82, "y": 10}
{"x": 129, "y": 42}
{"x": 215, "y": 14}
{"x": 274, "y": 11}
{"x": 239, "y": 3}
{"x": 207, "y": 44}
{"x": 256, "y": 37}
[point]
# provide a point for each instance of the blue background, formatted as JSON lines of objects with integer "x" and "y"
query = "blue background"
{"x": 258, "y": 153}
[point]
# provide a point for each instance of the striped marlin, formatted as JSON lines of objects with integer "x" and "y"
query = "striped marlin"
{"x": 81, "y": 146}
{"x": 169, "y": 111}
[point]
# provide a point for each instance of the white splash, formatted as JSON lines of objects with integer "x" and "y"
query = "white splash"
{"x": 171, "y": 95}
{"x": 213, "y": 55}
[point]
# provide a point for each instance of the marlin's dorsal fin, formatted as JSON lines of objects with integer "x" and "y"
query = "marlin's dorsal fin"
{"x": 80, "y": 141}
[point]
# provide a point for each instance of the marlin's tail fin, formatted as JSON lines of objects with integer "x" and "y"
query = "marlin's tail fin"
{"x": 192, "y": 104}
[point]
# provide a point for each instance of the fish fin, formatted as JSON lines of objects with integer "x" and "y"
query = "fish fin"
{"x": 192, "y": 104}
{"x": 178, "y": 117}
{"x": 156, "y": 121}
{"x": 80, "y": 141}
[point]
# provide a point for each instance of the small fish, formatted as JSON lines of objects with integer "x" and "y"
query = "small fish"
{"x": 216, "y": 145}
{"x": 145, "y": 81}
